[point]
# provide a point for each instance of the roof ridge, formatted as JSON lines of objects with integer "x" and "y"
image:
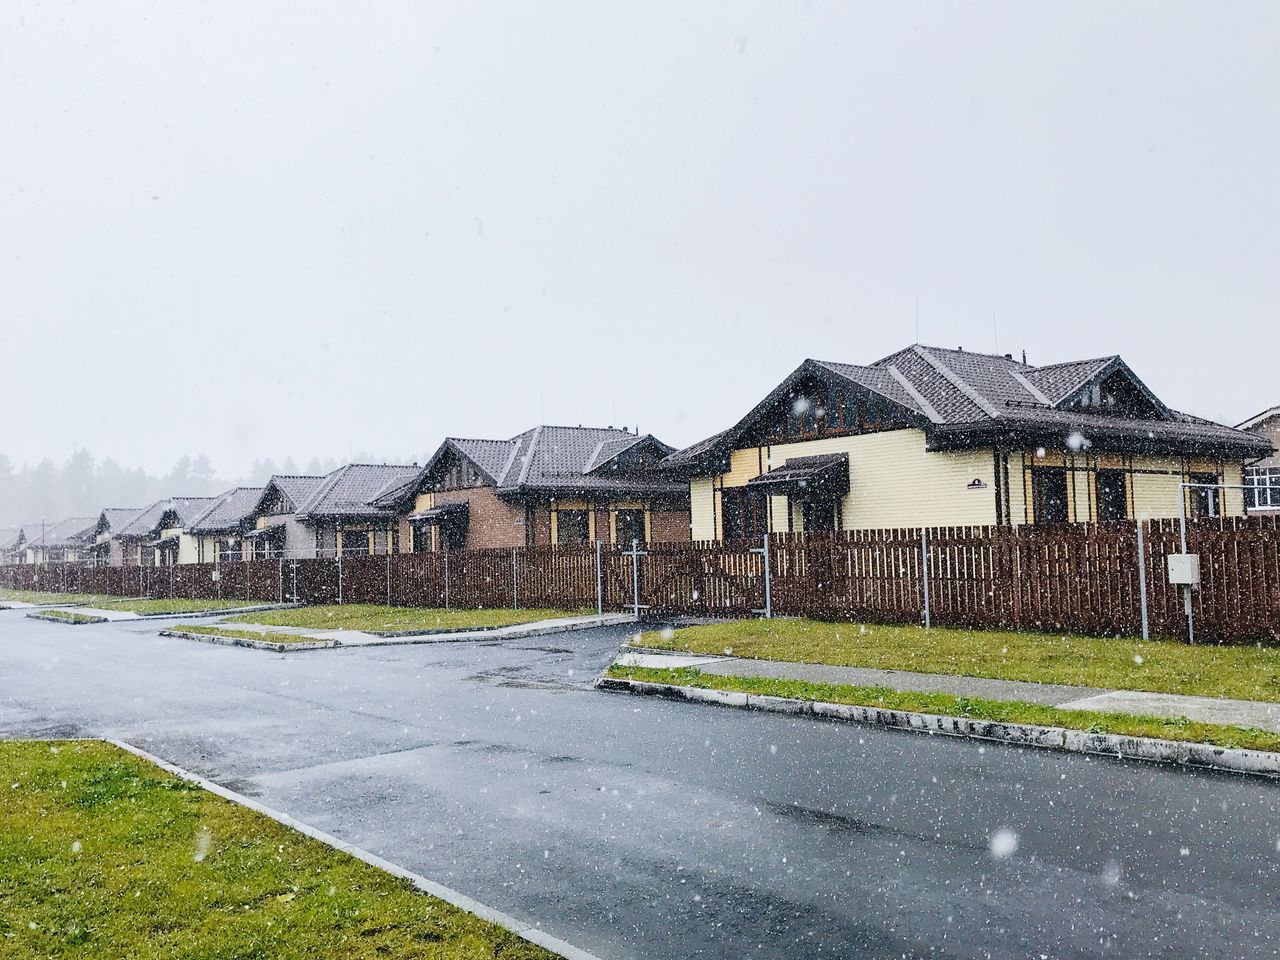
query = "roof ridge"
{"x": 1258, "y": 418}
{"x": 528, "y": 460}
{"x": 1008, "y": 357}
{"x": 957, "y": 381}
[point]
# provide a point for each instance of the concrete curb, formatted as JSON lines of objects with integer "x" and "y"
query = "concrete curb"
{"x": 252, "y": 644}
{"x": 489, "y": 635}
{"x": 41, "y": 613}
{"x": 577, "y": 623}
{"x": 526, "y": 931}
{"x": 50, "y": 616}
{"x": 1204, "y": 755}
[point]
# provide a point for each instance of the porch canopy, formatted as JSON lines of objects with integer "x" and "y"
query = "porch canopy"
{"x": 274, "y": 527}
{"x": 821, "y": 477}
{"x": 451, "y": 518}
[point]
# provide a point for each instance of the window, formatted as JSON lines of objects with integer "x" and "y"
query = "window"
{"x": 572, "y": 526}
{"x": 1203, "y": 501}
{"x": 1112, "y": 495}
{"x": 628, "y": 525}
{"x": 1264, "y": 488}
{"x": 229, "y": 551}
{"x": 355, "y": 542}
{"x": 744, "y": 514}
{"x": 1049, "y": 493}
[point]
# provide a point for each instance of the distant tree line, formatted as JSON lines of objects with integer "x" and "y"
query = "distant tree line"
{"x": 84, "y": 485}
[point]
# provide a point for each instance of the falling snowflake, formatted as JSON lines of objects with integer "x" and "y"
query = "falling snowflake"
{"x": 667, "y": 633}
{"x": 76, "y": 847}
{"x": 1137, "y": 658}
{"x": 1111, "y": 874}
{"x": 1003, "y": 844}
{"x": 1077, "y": 441}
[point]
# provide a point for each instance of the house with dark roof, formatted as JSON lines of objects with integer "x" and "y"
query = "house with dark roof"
{"x": 64, "y": 541}
{"x": 1262, "y": 477}
{"x": 11, "y": 542}
{"x": 548, "y": 485}
{"x": 309, "y": 516}
{"x": 107, "y": 548}
{"x": 936, "y": 437}
{"x": 157, "y": 535}
{"x": 219, "y": 531}
{"x": 272, "y": 526}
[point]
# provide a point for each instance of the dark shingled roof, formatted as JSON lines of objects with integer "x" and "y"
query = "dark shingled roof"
{"x": 72, "y": 532}
{"x": 350, "y": 491}
{"x": 555, "y": 459}
{"x": 227, "y": 512}
{"x": 146, "y": 521}
{"x": 959, "y": 397}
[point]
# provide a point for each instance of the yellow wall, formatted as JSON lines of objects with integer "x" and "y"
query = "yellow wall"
{"x": 702, "y": 506}
{"x": 893, "y": 480}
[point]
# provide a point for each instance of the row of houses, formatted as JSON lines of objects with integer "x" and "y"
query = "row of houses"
{"x": 923, "y": 437}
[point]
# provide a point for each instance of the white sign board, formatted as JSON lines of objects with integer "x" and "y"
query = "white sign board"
{"x": 1184, "y": 569}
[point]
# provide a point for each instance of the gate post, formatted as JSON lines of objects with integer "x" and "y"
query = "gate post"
{"x": 924, "y": 567}
{"x": 599, "y": 582}
{"x": 635, "y": 574}
{"x": 515, "y": 593}
{"x": 1142, "y": 581}
{"x": 388, "y": 579}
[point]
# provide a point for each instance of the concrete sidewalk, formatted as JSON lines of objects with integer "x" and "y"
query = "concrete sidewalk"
{"x": 1236, "y": 713}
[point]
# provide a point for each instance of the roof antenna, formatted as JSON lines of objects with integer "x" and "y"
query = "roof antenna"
{"x": 1024, "y": 358}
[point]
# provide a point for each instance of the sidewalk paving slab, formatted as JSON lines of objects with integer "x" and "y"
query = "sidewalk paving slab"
{"x": 1236, "y": 713}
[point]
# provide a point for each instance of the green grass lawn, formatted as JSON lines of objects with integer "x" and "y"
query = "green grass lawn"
{"x": 251, "y": 635}
{"x": 105, "y": 855}
{"x": 180, "y": 606}
{"x": 31, "y": 596}
{"x": 1160, "y": 666}
{"x": 369, "y": 616}
{"x": 977, "y": 708}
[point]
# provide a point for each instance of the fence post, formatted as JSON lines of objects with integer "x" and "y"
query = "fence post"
{"x": 635, "y": 575}
{"x": 339, "y": 552}
{"x": 924, "y": 568}
{"x": 515, "y": 594}
{"x": 768, "y": 579}
{"x": 280, "y": 576}
{"x": 294, "y": 565}
{"x": 246, "y": 573}
{"x": 388, "y": 579}
{"x": 446, "y": 578}
{"x": 599, "y": 582}
{"x": 1142, "y": 581}
{"x": 217, "y": 569}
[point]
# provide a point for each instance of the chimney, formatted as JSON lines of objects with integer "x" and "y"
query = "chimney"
{"x": 1024, "y": 358}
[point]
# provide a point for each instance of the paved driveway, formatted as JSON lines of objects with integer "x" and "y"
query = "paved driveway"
{"x": 646, "y": 828}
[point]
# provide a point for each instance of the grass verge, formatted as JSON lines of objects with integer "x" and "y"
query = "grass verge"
{"x": 976, "y": 708}
{"x": 151, "y": 607}
{"x": 251, "y": 635}
{"x": 66, "y": 616}
{"x": 1159, "y": 666}
{"x": 32, "y": 596}
{"x": 375, "y": 617}
{"x": 103, "y": 854}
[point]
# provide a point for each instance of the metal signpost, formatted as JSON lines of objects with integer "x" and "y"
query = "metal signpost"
{"x": 599, "y": 582}
{"x": 635, "y": 554}
{"x": 1142, "y": 581}
{"x": 924, "y": 568}
{"x": 763, "y": 550}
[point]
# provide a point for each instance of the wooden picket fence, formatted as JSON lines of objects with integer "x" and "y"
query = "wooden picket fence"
{"x": 1081, "y": 578}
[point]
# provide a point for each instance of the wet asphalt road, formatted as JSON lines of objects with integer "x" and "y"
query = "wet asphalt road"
{"x": 637, "y": 828}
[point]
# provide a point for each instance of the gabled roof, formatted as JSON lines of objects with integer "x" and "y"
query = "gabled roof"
{"x": 350, "y": 491}
{"x": 227, "y": 512}
{"x": 963, "y": 398}
{"x": 181, "y": 510}
{"x": 552, "y": 459}
{"x": 70, "y": 532}
{"x": 1259, "y": 419}
{"x": 114, "y": 519}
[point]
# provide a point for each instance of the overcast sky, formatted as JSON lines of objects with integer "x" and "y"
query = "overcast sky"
{"x": 258, "y": 230}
